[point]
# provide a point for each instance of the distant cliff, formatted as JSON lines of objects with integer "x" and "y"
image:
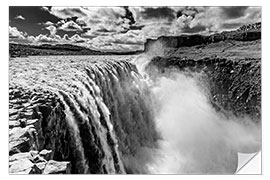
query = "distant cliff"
{"x": 244, "y": 33}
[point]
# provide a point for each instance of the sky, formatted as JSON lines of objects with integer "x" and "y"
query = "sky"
{"x": 121, "y": 28}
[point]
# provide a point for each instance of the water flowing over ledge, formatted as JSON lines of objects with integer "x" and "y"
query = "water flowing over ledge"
{"x": 100, "y": 115}
{"x": 97, "y": 115}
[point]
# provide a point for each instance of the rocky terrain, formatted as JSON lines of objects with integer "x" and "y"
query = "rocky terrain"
{"x": 243, "y": 42}
{"x": 234, "y": 85}
{"x": 84, "y": 115}
{"x": 230, "y": 63}
{"x": 30, "y": 134}
{"x": 77, "y": 116}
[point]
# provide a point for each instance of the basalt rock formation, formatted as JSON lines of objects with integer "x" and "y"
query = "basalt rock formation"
{"x": 234, "y": 85}
{"x": 93, "y": 117}
{"x": 230, "y": 64}
{"x": 224, "y": 44}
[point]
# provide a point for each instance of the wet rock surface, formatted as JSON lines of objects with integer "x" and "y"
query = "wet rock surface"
{"x": 77, "y": 116}
{"x": 234, "y": 85}
{"x": 230, "y": 64}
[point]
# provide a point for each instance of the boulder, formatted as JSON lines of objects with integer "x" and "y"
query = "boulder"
{"x": 22, "y": 139}
{"x": 33, "y": 153}
{"x": 46, "y": 154}
{"x": 22, "y": 166}
{"x": 37, "y": 159}
{"x": 41, "y": 166}
{"x": 54, "y": 167}
{"x": 20, "y": 156}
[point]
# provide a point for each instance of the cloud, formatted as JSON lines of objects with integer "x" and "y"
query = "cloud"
{"x": 187, "y": 11}
{"x": 234, "y": 11}
{"x": 67, "y": 12}
{"x": 127, "y": 28}
{"x": 46, "y": 39}
{"x": 48, "y": 23}
{"x": 130, "y": 41}
{"x": 129, "y": 15}
{"x": 66, "y": 38}
{"x": 158, "y": 13}
{"x": 112, "y": 19}
{"x": 14, "y": 33}
{"x": 56, "y": 39}
{"x": 19, "y": 17}
{"x": 52, "y": 29}
{"x": 77, "y": 39}
{"x": 70, "y": 26}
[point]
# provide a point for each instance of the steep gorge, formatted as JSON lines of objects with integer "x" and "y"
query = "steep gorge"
{"x": 233, "y": 85}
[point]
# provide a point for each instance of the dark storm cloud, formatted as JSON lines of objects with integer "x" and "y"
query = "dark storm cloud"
{"x": 158, "y": 13}
{"x": 129, "y": 15}
{"x": 188, "y": 11}
{"x": 234, "y": 12}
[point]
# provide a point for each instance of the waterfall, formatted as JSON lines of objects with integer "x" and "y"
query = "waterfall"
{"x": 195, "y": 137}
{"x": 108, "y": 110}
{"x": 115, "y": 116}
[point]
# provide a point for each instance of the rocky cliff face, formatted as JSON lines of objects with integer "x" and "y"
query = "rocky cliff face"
{"x": 229, "y": 61}
{"x": 234, "y": 85}
{"x": 36, "y": 123}
{"x": 77, "y": 117}
{"x": 244, "y": 33}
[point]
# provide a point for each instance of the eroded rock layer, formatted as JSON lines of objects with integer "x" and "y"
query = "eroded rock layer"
{"x": 234, "y": 85}
{"x": 93, "y": 116}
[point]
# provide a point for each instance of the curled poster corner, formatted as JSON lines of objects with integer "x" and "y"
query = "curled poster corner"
{"x": 249, "y": 163}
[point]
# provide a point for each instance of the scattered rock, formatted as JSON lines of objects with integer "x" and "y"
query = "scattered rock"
{"x": 20, "y": 156}
{"x": 22, "y": 166}
{"x": 22, "y": 139}
{"x": 34, "y": 153}
{"x": 41, "y": 166}
{"x": 46, "y": 154}
{"x": 38, "y": 159}
{"x": 54, "y": 167}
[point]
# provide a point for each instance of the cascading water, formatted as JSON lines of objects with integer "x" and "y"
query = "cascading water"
{"x": 195, "y": 138}
{"x": 107, "y": 108}
{"x": 110, "y": 107}
{"x": 120, "y": 120}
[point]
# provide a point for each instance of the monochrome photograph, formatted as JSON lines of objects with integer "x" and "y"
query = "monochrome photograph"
{"x": 134, "y": 89}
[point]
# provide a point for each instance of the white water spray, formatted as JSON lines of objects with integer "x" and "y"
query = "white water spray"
{"x": 196, "y": 138}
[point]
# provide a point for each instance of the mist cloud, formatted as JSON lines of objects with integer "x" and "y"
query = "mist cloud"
{"x": 196, "y": 138}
